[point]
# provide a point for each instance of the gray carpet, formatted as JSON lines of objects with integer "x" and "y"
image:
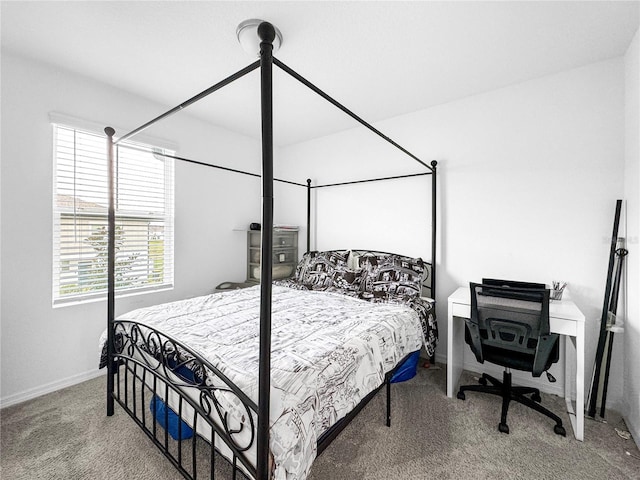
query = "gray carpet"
{"x": 66, "y": 435}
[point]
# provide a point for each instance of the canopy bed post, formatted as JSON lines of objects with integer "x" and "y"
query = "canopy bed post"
{"x": 308, "y": 215}
{"x": 433, "y": 228}
{"x": 111, "y": 262}
{"x": 267, "y": 34}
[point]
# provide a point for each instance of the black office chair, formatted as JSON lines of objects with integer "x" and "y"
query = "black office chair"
{"x": 510, "y": 327}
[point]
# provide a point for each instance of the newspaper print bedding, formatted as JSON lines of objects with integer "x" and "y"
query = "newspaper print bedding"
{"x": 328, "y": 352}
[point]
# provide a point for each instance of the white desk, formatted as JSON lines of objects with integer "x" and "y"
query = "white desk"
{"x": 564, "y": 318}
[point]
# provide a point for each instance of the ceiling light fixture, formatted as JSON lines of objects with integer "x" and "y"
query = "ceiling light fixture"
{"x": 247, "y": 33}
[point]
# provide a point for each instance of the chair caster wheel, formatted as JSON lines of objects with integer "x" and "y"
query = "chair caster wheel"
{"x": 536, "y": 397}
{"x": 503, "y": 427}
{"x": 559, "y": 430}
{"x": 460, "y": 396}
{"x": 482, "y": 381}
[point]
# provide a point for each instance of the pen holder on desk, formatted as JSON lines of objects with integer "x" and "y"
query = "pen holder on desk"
{"x": 557, "y": 290}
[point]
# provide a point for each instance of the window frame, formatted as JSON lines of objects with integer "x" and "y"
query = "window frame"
{"x": 97, "y": 219}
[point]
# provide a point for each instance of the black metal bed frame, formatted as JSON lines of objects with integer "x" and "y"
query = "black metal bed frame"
{"x": 143, "y": 362}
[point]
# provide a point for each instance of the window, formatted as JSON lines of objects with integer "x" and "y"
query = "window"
{"x": 144, "y": 217}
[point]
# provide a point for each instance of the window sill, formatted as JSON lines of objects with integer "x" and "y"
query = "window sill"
{"x": 102, "y": 296}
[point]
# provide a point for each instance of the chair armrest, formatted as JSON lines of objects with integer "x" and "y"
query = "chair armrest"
{"x": 546, "y": 343}
{"x": 472, "y": 337}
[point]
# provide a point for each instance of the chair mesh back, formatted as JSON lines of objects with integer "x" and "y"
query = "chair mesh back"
{"x": 508, "y": 323}
{"x": 510, "y": 326}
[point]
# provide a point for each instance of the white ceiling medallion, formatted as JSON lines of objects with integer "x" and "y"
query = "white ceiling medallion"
{"x": 247, "y": 33}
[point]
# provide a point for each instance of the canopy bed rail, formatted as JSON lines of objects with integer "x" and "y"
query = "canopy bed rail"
{"x": 432, "y": 276}
{"x": 157, "y": 361}
{"x": 192, "y": 100}
{"x": 218, "y": 167}
{"x": 337, "y": 104}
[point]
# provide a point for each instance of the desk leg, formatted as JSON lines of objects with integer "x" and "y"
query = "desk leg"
{"x": 575, "y": 352}
{"x": 579, "y": 431}
{"x": 455, "y": 352}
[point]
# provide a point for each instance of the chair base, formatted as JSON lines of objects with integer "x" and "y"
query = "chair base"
{"x": 508, "y": 392}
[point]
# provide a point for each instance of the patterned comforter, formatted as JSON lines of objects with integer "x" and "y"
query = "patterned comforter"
{"x": 328, "y": 352}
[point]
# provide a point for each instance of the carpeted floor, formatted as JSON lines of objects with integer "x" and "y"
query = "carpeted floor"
{"x": 66, "y": 435}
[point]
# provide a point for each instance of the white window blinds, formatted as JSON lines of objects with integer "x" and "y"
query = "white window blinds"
{"x": 144, "y": 217}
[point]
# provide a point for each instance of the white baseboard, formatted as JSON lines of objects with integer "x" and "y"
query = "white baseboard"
{"x": 441, "y": 358}
{"x": 83, "y": 377}
{"x": 50, "y": 387}
{"x": 523, "y": 379}
{"x": 635, "y": 433}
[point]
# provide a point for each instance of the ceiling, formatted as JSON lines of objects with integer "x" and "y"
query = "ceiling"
{"x": 380, "y": 59}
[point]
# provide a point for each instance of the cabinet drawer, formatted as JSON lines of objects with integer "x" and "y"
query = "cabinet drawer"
{"x": 282, "y": 270}
{"x": 280, "y": 239}
{"x": 279, "y": 256}
{"x": 286, "y": 240}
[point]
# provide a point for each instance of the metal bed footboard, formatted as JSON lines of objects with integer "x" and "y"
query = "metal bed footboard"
{"x": 150, "y": 365}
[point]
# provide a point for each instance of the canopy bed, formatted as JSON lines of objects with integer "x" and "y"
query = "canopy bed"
{"x": 329, "y": 338}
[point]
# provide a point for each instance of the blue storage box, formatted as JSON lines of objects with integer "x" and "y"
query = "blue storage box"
{"x": 164, "y": 414}
{"x": 408, "y": 369}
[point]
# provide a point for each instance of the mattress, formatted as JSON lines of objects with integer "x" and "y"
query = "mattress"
{"x": 328, "y": 352}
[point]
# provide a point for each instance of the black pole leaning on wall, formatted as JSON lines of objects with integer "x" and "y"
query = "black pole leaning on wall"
{"x": 595, "y": 380}
{"x": 308, "y": 215}
{"x": 433, "y": 228}
{"x": 267, "y": 34}
{"x": 111, "y": 253}
{"x": 613, "y": 310}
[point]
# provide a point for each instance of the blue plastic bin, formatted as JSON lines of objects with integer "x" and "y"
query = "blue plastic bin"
{"x": 158, "y": 409}
{"x": 408, "y": 369}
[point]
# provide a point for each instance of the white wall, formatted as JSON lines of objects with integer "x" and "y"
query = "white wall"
{"x": 528, "y": 179}
{"x": 631, "y": 335}
{"x": 349, "y": 216}
{"x": 45, "y": 348}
